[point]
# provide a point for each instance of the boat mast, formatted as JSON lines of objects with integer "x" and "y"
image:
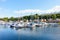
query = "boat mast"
{"x": 18, "y": 15}
{"x": 31, "y": 17}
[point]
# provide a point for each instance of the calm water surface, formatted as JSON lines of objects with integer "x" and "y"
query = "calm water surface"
{"x": 49, "y": 33}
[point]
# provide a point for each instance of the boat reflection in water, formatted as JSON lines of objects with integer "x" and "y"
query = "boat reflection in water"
{"x": 38, "y": 33}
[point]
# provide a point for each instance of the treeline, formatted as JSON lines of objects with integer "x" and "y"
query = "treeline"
{"x": 36, "y": 16}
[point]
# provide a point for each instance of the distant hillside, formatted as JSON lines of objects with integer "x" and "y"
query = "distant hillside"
{"x": 36, "y": 16}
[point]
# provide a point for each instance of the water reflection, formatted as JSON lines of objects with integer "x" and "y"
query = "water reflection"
{"x": 8, "y": 34}
{"x": 38, "y": 33}
{"x": 32, "y": 35}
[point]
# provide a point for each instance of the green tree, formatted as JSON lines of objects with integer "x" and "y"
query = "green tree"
{"x": 12, "y": 19}
{"x": 5, "y": 19}
{"x": 36, "y": 16}
{"x": 54, "y": 16}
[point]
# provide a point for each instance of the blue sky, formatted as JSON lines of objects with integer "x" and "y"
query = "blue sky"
{"x": 13, "y": 8}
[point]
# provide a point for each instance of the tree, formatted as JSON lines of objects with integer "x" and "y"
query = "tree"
{"x": 16, "y": 19}
{"x": 25, "y": 17}
{"x": 5, "y": 19}
{"x": 12, "y": 19}
{"x": 58, "y": 15}
{"x": 54, "y": 16}
{"x": 36, "y": 16}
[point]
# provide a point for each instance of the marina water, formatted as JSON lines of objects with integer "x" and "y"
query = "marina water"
{"x": 48, "y": 33}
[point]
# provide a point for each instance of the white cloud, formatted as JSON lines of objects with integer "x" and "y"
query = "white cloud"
{"x": 54, "y": 9}
{"x": 8, "y": 13}
{"x": 28, "y": 11}
{"x": 34, "y": 11}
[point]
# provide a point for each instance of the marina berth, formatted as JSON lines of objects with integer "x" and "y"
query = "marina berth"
{"x": 28, "y": 24}
{"x": 19, "y": 25}
{"x": 2, "y": 22}
{"x": 53, "y": 25}
{"x": 22, "y": 24}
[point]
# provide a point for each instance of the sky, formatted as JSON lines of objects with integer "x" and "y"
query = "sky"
{"x": 18, "y": 8}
